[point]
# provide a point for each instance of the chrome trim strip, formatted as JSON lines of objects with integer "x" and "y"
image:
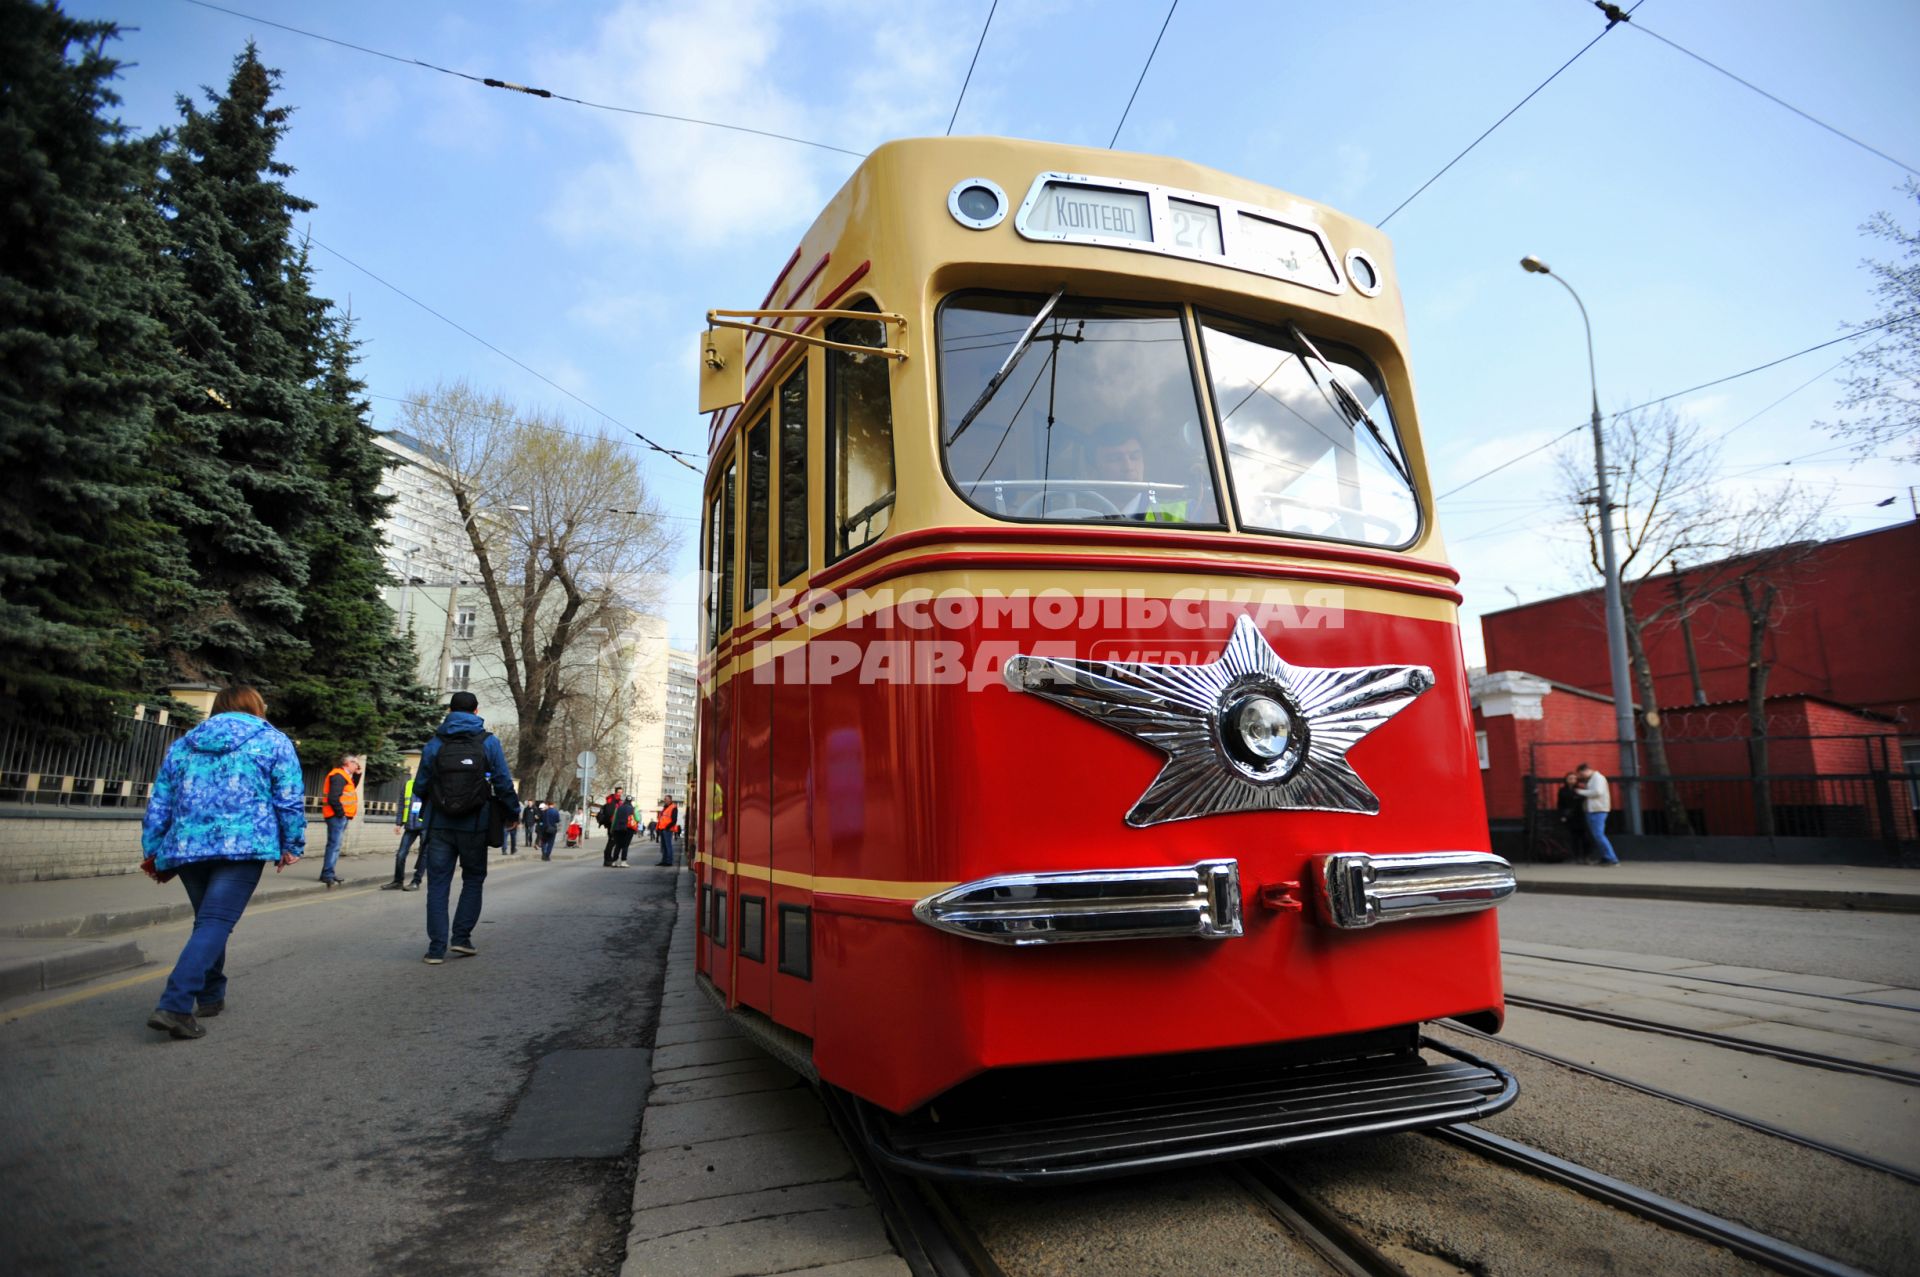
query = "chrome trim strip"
{"x": 1352, "y": 889}
{"x": 1200, "y": 900}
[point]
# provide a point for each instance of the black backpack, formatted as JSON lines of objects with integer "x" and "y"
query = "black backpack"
{"x": 461, "y": 784}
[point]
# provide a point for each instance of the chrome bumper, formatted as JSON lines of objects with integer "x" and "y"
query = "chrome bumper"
{"x": 1353, "y": 890}
{"x": 1096, "y": 904}
{"x": 1349, "y": 890}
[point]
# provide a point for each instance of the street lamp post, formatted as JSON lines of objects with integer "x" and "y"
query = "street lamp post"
{"x": 1610, "y": 563}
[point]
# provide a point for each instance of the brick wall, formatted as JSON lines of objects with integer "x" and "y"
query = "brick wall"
{"x": 83, "y": 844}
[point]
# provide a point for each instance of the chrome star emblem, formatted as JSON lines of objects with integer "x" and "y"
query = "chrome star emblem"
{"x": 1247, "y": 732}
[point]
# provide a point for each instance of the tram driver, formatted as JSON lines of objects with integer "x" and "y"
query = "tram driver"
{"x": 1120, "y": 460}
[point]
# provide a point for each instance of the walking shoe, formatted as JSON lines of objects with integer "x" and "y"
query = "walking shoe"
{"x": 463, "y": 950}
{"x": 176, "y": 1023}
{"x": 434, "y": 959}
{"x": 395, "y": 885}
{"x": 412, "y": 886}
{"x": 206, "y": 1010}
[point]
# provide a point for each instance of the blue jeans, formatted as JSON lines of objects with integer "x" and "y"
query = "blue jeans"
{"x": 1597, "y": 827}
{"x": 336, "y": 830}
{"x": 219, "y": 891}
{"x": 546, "y": 843}
{"x": 400, "y": 857}
{"x": 445, "y": 848}
{"x": 666, "y": 846}
{"x": 513, "y": 840}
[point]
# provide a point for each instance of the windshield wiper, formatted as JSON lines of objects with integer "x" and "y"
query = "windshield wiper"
{"x": 1008, "y": 364}
{"x": 1343, "y": 401}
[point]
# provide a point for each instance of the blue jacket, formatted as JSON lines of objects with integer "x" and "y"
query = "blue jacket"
{"x": 230, "y": 789}
{"x": 456, "y": 724}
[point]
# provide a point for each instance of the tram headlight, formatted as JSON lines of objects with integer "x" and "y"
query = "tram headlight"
{"x": 977, "y": 203}
{"x": 1261, "y": 735}
{"x": 1264, "y": 727}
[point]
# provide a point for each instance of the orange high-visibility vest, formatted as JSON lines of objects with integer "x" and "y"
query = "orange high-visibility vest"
{"x": 668, "y": 815}
{"x": 349, "y": 796}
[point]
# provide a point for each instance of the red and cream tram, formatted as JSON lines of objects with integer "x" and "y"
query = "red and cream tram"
{"x": 1086, "y": 777}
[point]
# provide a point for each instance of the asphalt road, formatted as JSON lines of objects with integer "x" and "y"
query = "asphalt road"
{"x": 1879, "y": 947}
{"x": 343, "y": 1114}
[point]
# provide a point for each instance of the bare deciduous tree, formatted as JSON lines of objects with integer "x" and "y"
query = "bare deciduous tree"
{"x": 1882, "y": 396}
{"x": 550, "y": 516}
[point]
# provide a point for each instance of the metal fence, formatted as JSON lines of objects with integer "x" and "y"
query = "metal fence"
{"x": 1853, "y": 787}
{"x": 112, "y": 769}
{"x": 116, "y": 768}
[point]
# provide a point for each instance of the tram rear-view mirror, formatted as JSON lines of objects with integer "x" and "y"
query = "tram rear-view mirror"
{"x": 723, "y": 368}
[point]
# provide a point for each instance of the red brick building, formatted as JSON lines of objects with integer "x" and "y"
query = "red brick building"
{"x": 1843, "y": 695}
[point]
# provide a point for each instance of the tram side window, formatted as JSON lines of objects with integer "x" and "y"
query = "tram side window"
{"x": 759, "y": 509}
{"x": 712, "y": 566}
{"x": 1099, "y": 420}
{"x": 793, "y": 475}
{"x": 723, "y": 608}
{"x": 860, "y": 426}
{"x": 1296, "y": 461}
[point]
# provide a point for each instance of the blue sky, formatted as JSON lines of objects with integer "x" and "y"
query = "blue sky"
{"x": 1707, "y": 229}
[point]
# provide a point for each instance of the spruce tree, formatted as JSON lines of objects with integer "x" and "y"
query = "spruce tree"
{"x": 240, "y": 424}
{"x": 81, "y": 362}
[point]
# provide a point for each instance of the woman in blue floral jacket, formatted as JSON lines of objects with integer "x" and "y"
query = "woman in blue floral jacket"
{"x": 228, "y": 799}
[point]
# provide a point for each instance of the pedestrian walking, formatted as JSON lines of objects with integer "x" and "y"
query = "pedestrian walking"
{"x": 625, "y": 826}
{"x": 605, "y": 819}
{"x": 1572, "y": 809}
{"x": 466, "y": 793}
{"x": 339, "y": 803}
{"x": 549, "y": 829}
{"x": 667, "y": 824}
{"x": 406, "y": 818}
{"x": 228, "y": 799}
{"x": 1592, "y": 786}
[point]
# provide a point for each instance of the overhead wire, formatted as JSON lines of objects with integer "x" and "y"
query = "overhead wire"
{"x": 494, "y": 83}
{"x": 673, "y": 454}
{"x": 1143, "y": 75}
{"x": 1776, "y": 99}
{"x": 1614, "y": 15}
{"x": 1717, "y": 381}
{"x": 976, "y": 61}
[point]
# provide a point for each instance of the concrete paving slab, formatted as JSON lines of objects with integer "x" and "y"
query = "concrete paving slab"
{"x": 689, "y": 1054}
{"x": 1679, "y": 1015}
{"x": 774, "y": 1203}
{"x": 1800, "y": 1038}
{"x": 686, "y": 1173}
{"x": 697, "y": 1120}
{"x": 1612, "y": 957}
{"x": 708, "y": 1029}
{"x": 871, "y": 1266}
{"x": 775, "y": 1077}
{"x": 689, "y": 1012}
{"x": 766, "y": 1245}
{"x": 1811, "y": 984}
{"x": 746, "y": 1064}
{"x": 579, "y": 1104}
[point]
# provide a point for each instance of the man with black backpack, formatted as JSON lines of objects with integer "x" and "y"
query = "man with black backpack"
{"x": 463, "y": 776}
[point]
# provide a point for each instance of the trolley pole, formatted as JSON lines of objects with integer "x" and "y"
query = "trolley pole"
{"x": 1629, "y": 773}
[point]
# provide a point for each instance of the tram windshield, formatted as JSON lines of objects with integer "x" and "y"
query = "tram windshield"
{"x": 1099, "y": 421}
{"x": 1299, "y": 461}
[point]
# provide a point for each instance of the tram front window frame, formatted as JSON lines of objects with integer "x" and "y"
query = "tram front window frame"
{"x": 1112, "y": 468}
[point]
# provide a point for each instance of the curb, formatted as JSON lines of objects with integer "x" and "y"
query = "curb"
{"x": 68, "y": 966}
{"x": 112, "y": 921}
{"x": 1779, "y": 897}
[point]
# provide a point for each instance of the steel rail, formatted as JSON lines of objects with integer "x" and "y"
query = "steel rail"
{"x": 931, "y": 1236}
{"x": 1812, "y": 1059}
{"x": 1659, "y": 1093}
{"x": 1748, "y": 1243}
{"x": 1323, "y": 1232}
{"x": 1707, "y": 979}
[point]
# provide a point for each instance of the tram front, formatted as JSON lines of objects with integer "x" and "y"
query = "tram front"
{"x": 1177, "y": 838}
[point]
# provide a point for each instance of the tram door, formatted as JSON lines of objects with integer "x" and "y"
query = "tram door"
{"x": 787, "y": 960}
{"x": 716, "y": 809}
{"x": 753, "y": 760}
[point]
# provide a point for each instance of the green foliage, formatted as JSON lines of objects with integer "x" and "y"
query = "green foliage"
{"x": 81, "y": 362}
{"x": 185, "y": 448}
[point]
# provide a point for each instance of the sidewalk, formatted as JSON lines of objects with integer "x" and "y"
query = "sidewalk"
{"x": 740, "y": 1172}
{"x": 65, "y": 930}
{"x": 1790, "y": 886}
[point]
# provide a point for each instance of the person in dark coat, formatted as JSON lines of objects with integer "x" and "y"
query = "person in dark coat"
{"x": 465, "y": 788}
{"x": 624, "y": 827}
{"x": 1572, "y": 808}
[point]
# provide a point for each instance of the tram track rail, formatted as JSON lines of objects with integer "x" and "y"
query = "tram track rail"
{"x": 1751, "y": 1244}
{"x": 1848, "y": 998}
{"x": 1792, "y": 1055}
{"x": 1713, "y": 1110}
